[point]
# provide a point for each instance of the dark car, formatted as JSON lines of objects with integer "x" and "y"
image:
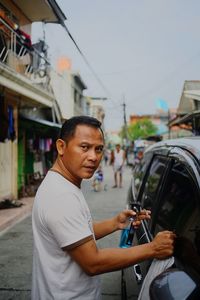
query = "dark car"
{"x": 167, "y": 181}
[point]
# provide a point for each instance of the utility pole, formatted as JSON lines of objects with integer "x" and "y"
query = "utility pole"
{"x": 125, "y": 122}
{"x": 169, "y": 129}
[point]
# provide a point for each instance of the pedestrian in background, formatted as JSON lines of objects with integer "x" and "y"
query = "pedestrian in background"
{"x": 118, "y": 157}
{"x": 106, "y": 156}
{"x": 98, "y": 179}
{"x": 66, "y": 259}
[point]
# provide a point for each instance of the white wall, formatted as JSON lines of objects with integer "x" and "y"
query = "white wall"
{"x": 61, "y": 85}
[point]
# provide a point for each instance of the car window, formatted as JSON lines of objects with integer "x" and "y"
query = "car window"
{"x": 180, "y": 211}
{"x": 136, "y": 182}
{"x": 138, "y": 174}
{"x": 151, "y": 185}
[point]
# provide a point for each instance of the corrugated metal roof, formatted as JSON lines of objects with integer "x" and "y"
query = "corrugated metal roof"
{"x": 191, "y": 92}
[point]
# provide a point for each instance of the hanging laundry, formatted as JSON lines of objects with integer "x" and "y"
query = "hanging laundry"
{"x": 23, "y": 40}
{"x": 11, "y": 128}
{"x": 36, "y": 144}
{"x": 42, "y": 145}
{"x": 3, "y": 119}
{"x": 30, "y": 145}
{"x": 48, "y": 145}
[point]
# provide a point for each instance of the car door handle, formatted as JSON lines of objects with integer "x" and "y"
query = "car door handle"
{"x": 138, "y": 273}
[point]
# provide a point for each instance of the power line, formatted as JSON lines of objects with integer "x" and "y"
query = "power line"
{"x": 86, "y": 61}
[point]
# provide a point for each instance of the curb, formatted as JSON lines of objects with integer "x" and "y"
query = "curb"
{"x": 10, "y": 217}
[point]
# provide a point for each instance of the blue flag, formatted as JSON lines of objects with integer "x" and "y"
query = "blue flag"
{"x": 162, "y": 104}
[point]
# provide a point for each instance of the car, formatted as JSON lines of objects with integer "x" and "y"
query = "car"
{"x": 167, "y": 181}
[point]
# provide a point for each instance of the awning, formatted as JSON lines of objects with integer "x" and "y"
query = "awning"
{"x": 190, "y": 121}
{"x": 41, "y": 11}
{"x": 44, "y": 122}
{"x": 185, "y": 119}
{"x": 37, "y": 127}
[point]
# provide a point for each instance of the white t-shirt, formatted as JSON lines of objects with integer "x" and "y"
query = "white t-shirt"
{"x": 60, "y": 218}
{"x": 118, "y": 158}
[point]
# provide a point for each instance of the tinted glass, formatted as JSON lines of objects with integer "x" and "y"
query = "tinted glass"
{"x": 151, "y": 186}
{"x": 180, "y": 211}
{"x": 138, "y": 174}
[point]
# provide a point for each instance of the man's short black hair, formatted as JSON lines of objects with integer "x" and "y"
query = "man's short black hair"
{"x": 69, "y": 127}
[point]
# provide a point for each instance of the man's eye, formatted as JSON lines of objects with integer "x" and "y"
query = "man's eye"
{"x": 84, "y": 147}
{"x": 99, "y": 150}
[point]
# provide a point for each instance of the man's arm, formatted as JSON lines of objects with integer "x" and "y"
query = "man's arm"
{"x": 97, "y": 261}
{"x": 119, "y": 222}
{"x": 104, "y": 228}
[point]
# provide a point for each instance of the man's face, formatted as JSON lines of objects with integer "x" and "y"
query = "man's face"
{"x": 82, "y": 154}
{"x": 118, "y": 148}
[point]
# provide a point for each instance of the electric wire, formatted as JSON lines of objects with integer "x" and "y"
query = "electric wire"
{"x": 86, "y": 61}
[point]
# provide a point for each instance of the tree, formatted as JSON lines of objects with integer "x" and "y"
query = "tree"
{"x": 141, "y": 129}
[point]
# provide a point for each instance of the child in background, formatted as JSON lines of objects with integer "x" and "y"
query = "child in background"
{"x": 98, "y": 179}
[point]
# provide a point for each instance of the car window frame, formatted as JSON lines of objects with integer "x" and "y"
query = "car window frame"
{"x": 144, "y": 231}
{"x": 145, "y": 162}
{"x": 186, "y": 158}
{"x": 146, "y": 176}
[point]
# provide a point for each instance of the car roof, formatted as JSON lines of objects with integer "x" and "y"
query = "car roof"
{"x": 192, "y": 144}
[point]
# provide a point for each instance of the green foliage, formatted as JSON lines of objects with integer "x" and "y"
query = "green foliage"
{"x": 141, "y": 129}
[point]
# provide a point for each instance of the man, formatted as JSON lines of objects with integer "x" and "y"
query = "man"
{"x": 117, "y": 160}
{"x": 66, "y": 259}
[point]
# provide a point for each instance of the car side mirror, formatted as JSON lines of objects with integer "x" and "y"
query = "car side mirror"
{"x": 174, "y": 284}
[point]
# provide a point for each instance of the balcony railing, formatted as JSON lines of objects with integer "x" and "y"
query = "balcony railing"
{"x": 17, "y": 53}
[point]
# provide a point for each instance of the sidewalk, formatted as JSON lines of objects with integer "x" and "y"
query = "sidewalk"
{"x": 9, "y": 217}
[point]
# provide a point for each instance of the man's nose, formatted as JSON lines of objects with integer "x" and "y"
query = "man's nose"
{"x": 92, "y": 155}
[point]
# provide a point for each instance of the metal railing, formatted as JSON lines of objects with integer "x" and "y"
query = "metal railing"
{"x": 17, "y": 53}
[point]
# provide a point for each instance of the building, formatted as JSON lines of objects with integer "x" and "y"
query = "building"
{"x": 68, "y": 87}
{"x": 97, "y": 109}
{"x": 30, "y": 114}
{"x": 188, "y": 112}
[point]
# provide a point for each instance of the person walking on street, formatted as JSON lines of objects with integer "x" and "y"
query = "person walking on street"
{"x": 66, "y": 259}
{"x": 117, "y": 160}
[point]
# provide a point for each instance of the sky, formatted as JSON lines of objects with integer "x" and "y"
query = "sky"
{"x": 141, "y": 51}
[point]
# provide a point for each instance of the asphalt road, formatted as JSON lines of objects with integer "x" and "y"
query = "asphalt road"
{"x": 16, "y": 243}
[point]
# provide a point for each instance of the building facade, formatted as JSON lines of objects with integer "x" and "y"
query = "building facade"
{"x": 28, "y": 106}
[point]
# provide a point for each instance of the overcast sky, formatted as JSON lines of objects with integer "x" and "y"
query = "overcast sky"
{"x": 142, "y": 50}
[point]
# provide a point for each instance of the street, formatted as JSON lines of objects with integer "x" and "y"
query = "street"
{"x": 16, "y": 243}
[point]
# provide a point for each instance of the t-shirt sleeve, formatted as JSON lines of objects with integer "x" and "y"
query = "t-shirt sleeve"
{"x": 69, "y": 222}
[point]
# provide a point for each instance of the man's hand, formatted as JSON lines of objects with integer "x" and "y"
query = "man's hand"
{"x": 163, "y": 244}
{"x": 125, "y": 217}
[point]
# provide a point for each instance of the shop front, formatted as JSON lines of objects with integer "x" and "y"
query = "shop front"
{"x": 36, "y": 152}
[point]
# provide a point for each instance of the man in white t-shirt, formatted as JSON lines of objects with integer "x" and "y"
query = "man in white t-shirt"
{"x": 66, "y": 260}
{"x": 118, "y": 159}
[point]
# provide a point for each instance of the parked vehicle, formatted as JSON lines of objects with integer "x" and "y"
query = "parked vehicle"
{"x": 167, "y": 181}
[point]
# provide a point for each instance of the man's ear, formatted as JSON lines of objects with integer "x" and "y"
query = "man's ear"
{"x": 60, "y": 145}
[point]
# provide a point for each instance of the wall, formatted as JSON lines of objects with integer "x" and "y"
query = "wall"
{"x": 61, "y": 85}
{"x": 8, "y": 158}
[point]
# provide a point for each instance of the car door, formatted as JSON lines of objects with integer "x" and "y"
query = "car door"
{"x": 150, "y": 182}
{"x": 179, "y": 210}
